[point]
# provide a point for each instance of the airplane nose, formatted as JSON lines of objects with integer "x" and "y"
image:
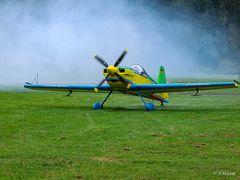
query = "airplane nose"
{"x": 112, "y": 70}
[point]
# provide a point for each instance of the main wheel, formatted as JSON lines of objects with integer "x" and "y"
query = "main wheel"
{"x": 97, "y": 106}
{"x": 149, "y": 106}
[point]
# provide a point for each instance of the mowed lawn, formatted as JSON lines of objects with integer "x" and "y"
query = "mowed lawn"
{"x": 47, "y": 135}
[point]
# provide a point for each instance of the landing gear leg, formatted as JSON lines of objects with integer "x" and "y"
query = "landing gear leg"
{"x": 148, "y": 106}
{"x": 197, "y": 91}
{"x": 162, "y": 105}
{"x": 98, "y": 105}
{"x": 70, "y": 92}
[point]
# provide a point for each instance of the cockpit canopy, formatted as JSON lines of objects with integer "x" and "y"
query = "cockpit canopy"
{"x": 139, "y": 69}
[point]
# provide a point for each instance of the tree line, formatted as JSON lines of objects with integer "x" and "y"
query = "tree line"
{"x": 221, "y": 18}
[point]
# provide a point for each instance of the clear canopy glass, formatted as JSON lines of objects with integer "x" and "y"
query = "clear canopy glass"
{"x": 139, "y": 69}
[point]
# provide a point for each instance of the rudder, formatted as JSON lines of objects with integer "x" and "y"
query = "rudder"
{"x": 162, "y": 80}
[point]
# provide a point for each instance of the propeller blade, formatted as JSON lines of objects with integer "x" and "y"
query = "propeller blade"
{"x": 122, "y": 79}
{"x": 100, "y": 60}
{"x": 96, "y": 88}
{"x": 120, "y": 58}
{"x": 101, "y": 82}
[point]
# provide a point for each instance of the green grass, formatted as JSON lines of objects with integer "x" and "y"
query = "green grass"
{"x": 46, "y": 135}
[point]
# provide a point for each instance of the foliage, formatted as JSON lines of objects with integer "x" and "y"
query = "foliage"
{"x": 220, "y": 19}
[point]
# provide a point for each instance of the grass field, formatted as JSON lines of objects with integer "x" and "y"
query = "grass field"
{"x": 47, "y": 135}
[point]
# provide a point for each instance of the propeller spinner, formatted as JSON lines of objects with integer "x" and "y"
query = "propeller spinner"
{"x": 111, "y": 70}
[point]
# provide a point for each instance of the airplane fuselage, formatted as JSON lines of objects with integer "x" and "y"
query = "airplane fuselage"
{"x": 129, "y": 76}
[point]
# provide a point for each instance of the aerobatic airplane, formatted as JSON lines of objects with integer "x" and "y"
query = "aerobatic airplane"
{"x": 133, "y": 80}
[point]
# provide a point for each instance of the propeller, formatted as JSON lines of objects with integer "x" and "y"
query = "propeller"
{"x": 101, "y": 61}
{"x": 96, "y": 88}
{"x": 122, "y": 79}
{"x": 119, "y": 60}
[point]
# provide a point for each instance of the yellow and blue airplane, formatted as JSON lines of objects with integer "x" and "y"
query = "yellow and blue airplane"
{"x": 133, "y": 80}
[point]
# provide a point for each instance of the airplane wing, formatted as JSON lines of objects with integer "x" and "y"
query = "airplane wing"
{"x": 180, "y": 87}
{"x": 150, "y": 88}
{"x": 67, "y": 88}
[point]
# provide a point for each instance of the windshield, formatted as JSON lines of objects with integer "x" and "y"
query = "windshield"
{"x": 139, "y": 69}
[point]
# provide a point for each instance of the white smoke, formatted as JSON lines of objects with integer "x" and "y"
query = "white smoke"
{"x": 57, "y": 39}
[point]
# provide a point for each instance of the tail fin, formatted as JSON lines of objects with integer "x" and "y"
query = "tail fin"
{"x": 162, "y": 76}
{"x": 162, "y": 80}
